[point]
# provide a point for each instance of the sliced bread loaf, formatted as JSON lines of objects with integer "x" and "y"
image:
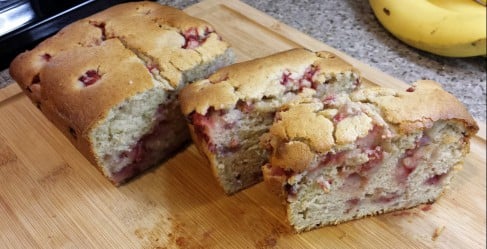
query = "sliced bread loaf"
{"x": 229, "y": 111}
{"x": 110, "y": 82}
{"x": 373, "y": 151}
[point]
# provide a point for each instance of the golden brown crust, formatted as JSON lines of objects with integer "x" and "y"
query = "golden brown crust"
{"x": 299, "y": 132}
{"x": 302, "y": 130}
{"x": 75, "y": 108}
{"x": 147, "y": 28}
{"x": 25, "y": 68}
{"x": 424, "y": 108}
{"x": 256, "y": 79}
{"x": 68, "y": 94}
{"x": 157, "y": 35}
{"x": 419, "y": 107}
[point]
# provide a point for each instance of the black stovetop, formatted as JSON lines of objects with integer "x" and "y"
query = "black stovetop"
{"x": 25, "y": 23}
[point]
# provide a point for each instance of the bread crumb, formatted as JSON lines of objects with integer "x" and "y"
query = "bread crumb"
{"x": 437, "y": 233}
{"x": 269, "y": 242}
{"x": 458, "y": 167}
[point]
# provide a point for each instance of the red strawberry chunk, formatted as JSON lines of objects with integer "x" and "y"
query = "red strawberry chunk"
{"x": 191, "y": 33}
{"x": 191, "y": 43}
{"x": 299, "y": 83}
{"x": 89, "y": 78}
{"x": 408, "y": 163}
{"x": 152, "y": 67}
{"x": 307, "y": 78}
{"x": 202, "y": 125}
{"x": 329, "y": 100}
{"x": 206, "y": 125}
{"x": 286, "y": 78}
{"x": 339, "y": 117}
{"x": 387, "y": 198}
{"x": 375, "y": 157}
{"x": 46, "y": 57}
{"x": 194, "y": 39}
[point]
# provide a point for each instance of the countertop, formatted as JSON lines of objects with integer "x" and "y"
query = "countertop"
{"x": 351, "y": 27}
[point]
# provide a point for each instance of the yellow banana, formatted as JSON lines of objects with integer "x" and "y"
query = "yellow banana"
{"x": 454, "y": 28}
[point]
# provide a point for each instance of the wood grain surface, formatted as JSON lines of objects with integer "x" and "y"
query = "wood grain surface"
{"x": 51, "y": 197}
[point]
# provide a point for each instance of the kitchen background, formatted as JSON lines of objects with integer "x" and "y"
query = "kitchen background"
{"x": 350, "y": 26}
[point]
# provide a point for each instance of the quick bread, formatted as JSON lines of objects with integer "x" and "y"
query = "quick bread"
{"x": 372, "y": 151}
{"x": 229, "y": 111}
{"x": 110, "y": 82}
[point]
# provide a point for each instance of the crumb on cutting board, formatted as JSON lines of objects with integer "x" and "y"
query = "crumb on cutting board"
{"x": 437, "y": 233}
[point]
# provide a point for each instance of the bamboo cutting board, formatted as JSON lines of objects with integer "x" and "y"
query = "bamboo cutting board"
{"x": 51, "y": 197}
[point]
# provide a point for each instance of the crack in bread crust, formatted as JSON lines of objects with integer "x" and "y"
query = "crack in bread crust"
{"x": 394, "y": 159}
{"x": 147, "y": 60}
{"x": 260, "y": 78}
{"x": 229, "y": 111}
{"x": 82, "y": 75}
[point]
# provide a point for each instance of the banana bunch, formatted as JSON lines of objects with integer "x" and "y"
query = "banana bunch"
{"x": 454, "y": 28}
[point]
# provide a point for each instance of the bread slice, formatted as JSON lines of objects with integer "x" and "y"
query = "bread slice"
{"x": 373, "y": 151}
{"x": 230, "y": 110}
{"x": 110, "y": 82}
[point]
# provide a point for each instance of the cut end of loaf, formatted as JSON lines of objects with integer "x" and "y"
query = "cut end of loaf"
{"x": 370, "y": 167}
{"x": 227, "y": 131}
{"x": 139, "y": 133}
{"x": 398, "y": 173}
{"x": 145, "y": 129}
{"x": 110, "y": 82}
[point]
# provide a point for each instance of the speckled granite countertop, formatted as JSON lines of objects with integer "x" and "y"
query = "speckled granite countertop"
{"x": 351, "y": 27}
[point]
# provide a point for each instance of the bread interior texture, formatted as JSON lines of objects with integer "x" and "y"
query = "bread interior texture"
{"x": 232, "y": 137}
{"x": 405, "y": 171}
{"x": 138, "y": 133}
{"x": 146, "y": 128}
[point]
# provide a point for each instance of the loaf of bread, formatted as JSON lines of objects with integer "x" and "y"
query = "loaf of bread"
{"x": 110, "y": 82}
{"x": 230, "y": 110}
{"x": 373, "y": 151}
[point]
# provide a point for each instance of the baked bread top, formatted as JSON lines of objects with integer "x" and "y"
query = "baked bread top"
{"x": 305, "y": 128}
{"x": 260, "y": 78}
{"x": 166, "y": 40}
{"x": 81, "y": 89}
{"x": 418, "y": 107}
